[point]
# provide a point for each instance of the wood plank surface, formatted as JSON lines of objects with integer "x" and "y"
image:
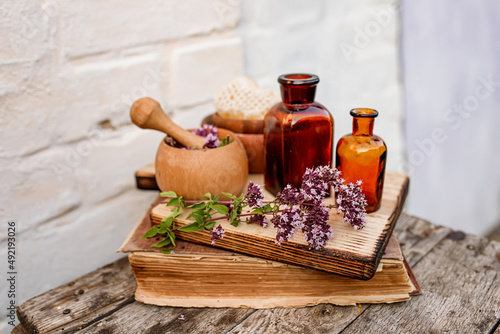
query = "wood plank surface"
{"x": 81, "y": 302}
{"x": 462, "y": 293}
{"x": 352, "y": 253}
{"x": 150, "y": 319}
{"x": 458, "y": 272}
{"x": 460, "y": 279}
{"x": 324, "y": 318}
{"x": 417, "y": 237}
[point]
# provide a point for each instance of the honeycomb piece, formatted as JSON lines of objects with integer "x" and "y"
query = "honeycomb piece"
{"x": 244, "y": 99}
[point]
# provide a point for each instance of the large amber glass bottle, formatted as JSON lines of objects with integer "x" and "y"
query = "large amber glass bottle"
{"x": 362, "y": 156}
{"x": 298, "y": 133}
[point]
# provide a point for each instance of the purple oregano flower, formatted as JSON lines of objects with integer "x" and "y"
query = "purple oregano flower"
{"x": 210, "y": 134}
{"x": 217, "y": 233}
{"x": 207, "y": 131}
{"x": 351, "y": 201}
{"x": 254, "y": 195}
{"x": 293, "y": 209}
{"x": 304, "y": 209}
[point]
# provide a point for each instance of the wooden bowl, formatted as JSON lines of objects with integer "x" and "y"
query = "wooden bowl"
{"x": 238, "y": 125}
{"x": 251, "y": 134}
{"x": 193, "y": 173}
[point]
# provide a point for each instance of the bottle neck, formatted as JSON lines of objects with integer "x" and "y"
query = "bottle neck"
{"x": 303, "y": 94}
{"x": 362, "y": 126}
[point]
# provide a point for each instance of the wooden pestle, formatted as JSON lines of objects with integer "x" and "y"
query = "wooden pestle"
{"x": 147, "y": 113}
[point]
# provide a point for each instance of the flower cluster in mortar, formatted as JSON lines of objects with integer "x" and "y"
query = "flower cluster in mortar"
{"x": 292, "y": 210}
{"x": 210, "y": 132}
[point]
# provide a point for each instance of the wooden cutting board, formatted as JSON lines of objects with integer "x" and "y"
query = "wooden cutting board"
{"x": 352, "y": 253}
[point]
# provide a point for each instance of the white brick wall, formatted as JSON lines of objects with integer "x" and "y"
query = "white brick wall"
{"x": 90, "y": 27}
{"x": 190, "y": 87}
{"x": 69, "y": 71}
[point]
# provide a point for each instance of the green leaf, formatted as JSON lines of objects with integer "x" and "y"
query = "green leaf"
{"x": 233, "y": 215}
{"x": 168, "y": 221}
{"x": 189, "y": 228}
{"x": 216, "y": 198}
{"x": 200, "y": 205}
{"x": 229, "y": 195}
{"x": 208, "y": 195}
{"x": 235, "y": 223}
{"x": 167, "y": 251}
{"x": 163, "y": 229}
{"x": 222, "y": 209}
{"x": 168, "y": 194}
{"x": 171, "y": 235}
{"x": 259, "y": 211}
{"x": 210, "y": 225}
{"x": 225, "y": 141}
{"x": 173, "y": 201}
{"x": 150, "y": 233}
{"x": 176, "y": 212}
{"x": 163, "y": 243}
{"x": 267, "y": 207}
{"x": 198, "y": 217}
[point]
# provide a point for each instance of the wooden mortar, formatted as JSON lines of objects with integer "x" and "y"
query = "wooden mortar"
{"x": 193, "y": 173}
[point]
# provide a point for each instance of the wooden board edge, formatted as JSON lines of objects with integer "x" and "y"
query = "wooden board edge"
{"x": 332, "y": 262}
{"x": 382, "y": 242}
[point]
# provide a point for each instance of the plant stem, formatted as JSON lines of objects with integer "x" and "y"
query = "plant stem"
{"x": 242, "y": 215}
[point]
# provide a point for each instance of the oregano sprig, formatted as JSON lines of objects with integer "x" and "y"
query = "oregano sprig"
{"x": 292, "y": 210}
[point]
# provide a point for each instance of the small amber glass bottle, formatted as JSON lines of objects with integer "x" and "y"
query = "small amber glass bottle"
{"x": 298, "y": 133}
{"x": 362, "y": 156}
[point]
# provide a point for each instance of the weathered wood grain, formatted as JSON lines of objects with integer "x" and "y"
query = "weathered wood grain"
{"x": 464, "y": 289}
{"x": 461, "y": 280}
{"x": 352, "y": 253}
{"x": 323, "y": 318}
{"x": 81, "y": 302}
{"x": 417, "y": 237}
{"x": 459, "y": 273}
{"x": 150, "y": 319}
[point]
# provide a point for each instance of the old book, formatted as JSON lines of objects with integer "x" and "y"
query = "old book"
{"x": 204, "y": 276}
{"x": 352, "y": 253}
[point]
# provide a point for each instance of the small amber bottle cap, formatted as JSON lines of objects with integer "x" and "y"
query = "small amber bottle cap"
{"x": 364, "y": 112}
{"x": 298, "y": 79}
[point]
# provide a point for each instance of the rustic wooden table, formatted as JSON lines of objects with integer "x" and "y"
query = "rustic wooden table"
{"x": 459, "y": 273}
